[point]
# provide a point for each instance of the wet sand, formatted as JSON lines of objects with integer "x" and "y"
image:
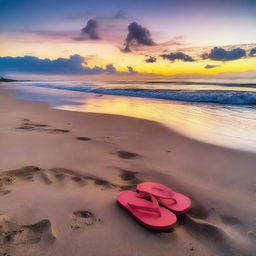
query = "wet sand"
{"x": 61, "y": 171}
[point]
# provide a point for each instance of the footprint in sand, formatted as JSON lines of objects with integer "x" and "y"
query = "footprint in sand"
{"x": 56, "y": 131}
{"x": 45, "y": 178}
{"x": 77, "y": 179}
{"x": 83, "y": 138}
{"x": 127, "y": 155}
{"x": 28, "y": 125}
{"x": 62, "y": 176}
{"x": 13, "y": 234}
{"x": 82, "y": 219}
{"x": 59, "y": 176}
{"x": 40, "y": 231}
{"x": 8, "y": 178}
{"x": 129, "y": 177}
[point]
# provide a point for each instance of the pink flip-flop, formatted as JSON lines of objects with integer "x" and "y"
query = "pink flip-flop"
{"x": 150, "y": 214}
{"x": 170, "y": 199}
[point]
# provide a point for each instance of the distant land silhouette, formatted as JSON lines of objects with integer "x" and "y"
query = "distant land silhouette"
{"x": 3, "y": 79}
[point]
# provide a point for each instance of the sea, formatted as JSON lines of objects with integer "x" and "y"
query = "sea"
{"x": 220, "y": 112}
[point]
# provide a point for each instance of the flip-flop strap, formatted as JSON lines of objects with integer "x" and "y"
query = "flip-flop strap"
{"x": 168, "y": 195}
{"x": 153, "y": 209}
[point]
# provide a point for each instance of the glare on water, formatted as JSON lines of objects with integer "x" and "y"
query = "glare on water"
{"x": 231, "y": 126}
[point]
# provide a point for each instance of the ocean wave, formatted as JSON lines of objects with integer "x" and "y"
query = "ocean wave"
{"x": 182, "y": 82}
{"x": 207, "y": 96}
{"x": 249, "y": 85}
{"x": 210, "y": 96}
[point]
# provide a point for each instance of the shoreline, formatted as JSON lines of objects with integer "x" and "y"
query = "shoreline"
{"x": 82, "y": 160}
{"x": 229, "y": 127}
{"x": 161, "y": 124}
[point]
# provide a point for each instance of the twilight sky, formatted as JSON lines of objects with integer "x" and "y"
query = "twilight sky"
{"x": 135, "y": 37}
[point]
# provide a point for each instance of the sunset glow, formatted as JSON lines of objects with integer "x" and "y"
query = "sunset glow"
{"x": 179, "y": 29}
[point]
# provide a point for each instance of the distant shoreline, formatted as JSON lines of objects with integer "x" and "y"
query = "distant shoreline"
{"x": 2, "y": 79}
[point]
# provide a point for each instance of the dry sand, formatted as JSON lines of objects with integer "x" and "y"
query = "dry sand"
{"x": 61, "y": 171}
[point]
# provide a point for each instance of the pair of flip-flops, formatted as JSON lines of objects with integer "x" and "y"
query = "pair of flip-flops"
{"x": 149, "y": 212}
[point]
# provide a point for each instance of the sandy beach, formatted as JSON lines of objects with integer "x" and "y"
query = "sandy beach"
{"x": 61, "y": 172}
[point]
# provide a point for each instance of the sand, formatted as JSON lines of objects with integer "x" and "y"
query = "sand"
{"x": 60, "y": 172}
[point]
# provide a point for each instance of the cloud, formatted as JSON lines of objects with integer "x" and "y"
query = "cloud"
{"x": 61, "y": 66}
{"x": 131, "y": 70}
{"x": 150, "y": 59}
{"x": 252, "y": 52}
{"x": 126, "y": 48}
{"x": 90, "y": 31}
{"x": 211, "y": 66}
{"x": 110, "y": 68}
{"x": 177, "y": 56}
{"x": 137, "y": 35}
{"x": 220, "y": 54}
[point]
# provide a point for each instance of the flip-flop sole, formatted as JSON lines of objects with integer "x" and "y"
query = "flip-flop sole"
{"x": 151, "y": 220}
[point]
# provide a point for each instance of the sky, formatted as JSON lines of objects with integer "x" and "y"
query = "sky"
{"x": 135, "y": 38}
